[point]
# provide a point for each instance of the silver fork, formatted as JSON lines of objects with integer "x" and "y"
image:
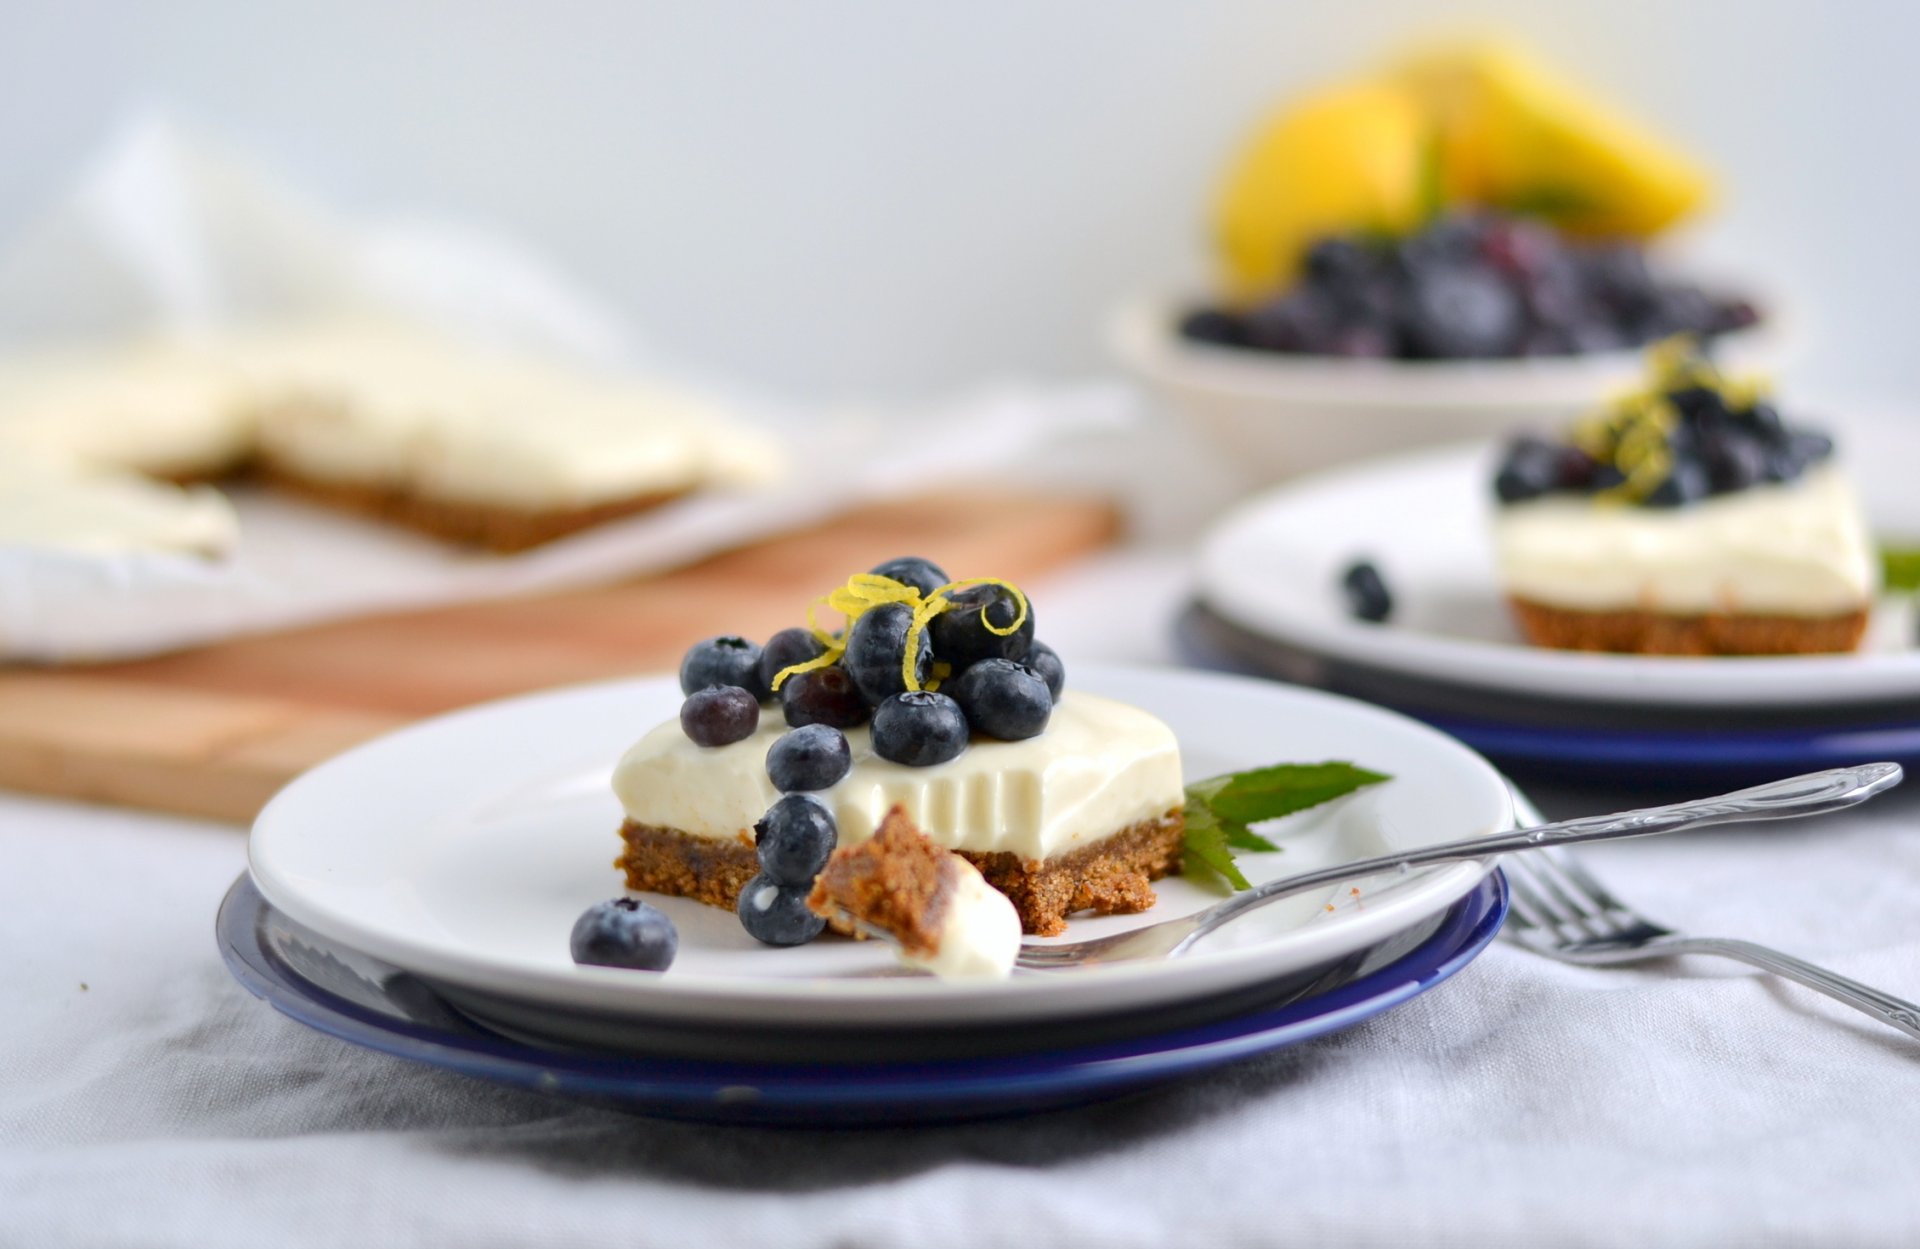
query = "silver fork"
{"x": 1562, "y": 912}
{"x": 1811, "y": 794}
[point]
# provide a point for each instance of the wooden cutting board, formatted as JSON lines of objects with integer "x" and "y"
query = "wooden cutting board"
{"x": 215, "y": 731}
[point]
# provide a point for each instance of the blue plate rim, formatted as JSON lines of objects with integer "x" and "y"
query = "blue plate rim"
{"x": 668, "y": 1083}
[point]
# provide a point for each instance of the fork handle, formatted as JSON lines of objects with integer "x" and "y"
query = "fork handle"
{"x": 1814, "y": 793}
{"x": 1885, "y": 1007}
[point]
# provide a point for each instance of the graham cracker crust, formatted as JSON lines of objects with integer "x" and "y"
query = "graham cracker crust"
{"x": 1112, "y": 876}
{"x": 503, "y": 530}
{"x": 896, "y": 880}
{"x": 1657, "y": 633}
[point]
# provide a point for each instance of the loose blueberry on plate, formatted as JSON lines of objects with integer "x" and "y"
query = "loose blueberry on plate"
{"x": 624, "y": 933}
{"x": 722, "y": 661}
{"x": 1367, "y": 595}
{"x": 785, "y": 649}
{"x": 823, "y": 696}
{"x": 776, "y": 914}
{"x": 961, "y": 636}
{"x": 1044, "y": 660}
{"x": 1004, "y": 699}
{"x": 813, "y": 756}
{"x": 794, "y": 838}
{"x": 876, "y": 646}
{"x": 719, "y": 715}
{"x": 919, "y": 728}
{"x": 922, "y": 574}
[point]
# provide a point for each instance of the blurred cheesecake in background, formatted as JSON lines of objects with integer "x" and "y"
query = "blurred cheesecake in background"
{"x": 479, "y": 447}
{"x": 1453, "y": 244}
{"x": 496, "y": 450}
{"x": 1685, "y": 518}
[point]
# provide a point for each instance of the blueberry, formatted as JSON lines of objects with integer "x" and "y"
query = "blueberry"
{"x": 794, "y": 838}
{"x": 722, "y": 661}
{"x": 719, "y": 715}
{"x": 1004, "y": 699}
{"x": 1366, "y": 591}
{"x": 1531, "y": 467}
{"x": 1362, "y": 340}
{"x": 1686, "y": 482}
{"x": 1764, "y": 420}
{"x": 919, "y": 729}
{"x": 1339, "y": 265}
{"x": 822, "y": 696}
{"x": 1303, "y": 322}
{"x": 1617, "y": 275}
{"x": 624, "y": 933}
{"x": 813, "y": 756}
{"x": 785, "y": 649}
{"x": 1045, "y": 661}
{"x": 1605, "y": 477}
{"x": 1736, "y": 314}
{"x": 922, "y": 574}
{"x": 1734, "y": 461}
{"x": 1211, "y": 325}
{"x": 1794, "y": 452}
{"x": 875, "y": 647}
{"x": 777, "y": 914}
{"x": 1456, "y": 312}
{"x": 961, "y": 638}
{"x": 1702, "y": 405}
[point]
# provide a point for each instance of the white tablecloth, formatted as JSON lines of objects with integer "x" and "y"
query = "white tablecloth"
{"x": 145, "y": 1099}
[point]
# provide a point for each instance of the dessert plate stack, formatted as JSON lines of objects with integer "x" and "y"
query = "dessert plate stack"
{"x": 1269, "y": 602}
{"x": 415, "y": 896}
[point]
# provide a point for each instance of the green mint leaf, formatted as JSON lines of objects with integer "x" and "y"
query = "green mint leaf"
{"x": 1900, "y": 568}
{"x": 1240, "y": 837}
{"x": 1269, "y": 793}
{"x": 1220, "y": 808}
{"x": 1207, "y": 858}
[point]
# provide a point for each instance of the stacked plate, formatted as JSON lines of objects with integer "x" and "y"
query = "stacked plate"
{"x": 415, "y": 896}
{"x": 1269, "y": 601}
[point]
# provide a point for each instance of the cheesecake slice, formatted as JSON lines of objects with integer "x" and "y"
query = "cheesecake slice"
{"x": 937, "y": 906}
{"x": 487, "y": 448}
{"x": 1081, "y": 817}
{"x": 1684, "y": 520}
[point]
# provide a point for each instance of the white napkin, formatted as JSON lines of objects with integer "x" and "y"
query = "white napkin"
{"x": 168, "y": 231}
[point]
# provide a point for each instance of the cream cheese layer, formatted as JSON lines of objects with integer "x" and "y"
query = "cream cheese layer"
{"x": 1101, "y": 766}
{"x": 1796, "y": 549}
{"x": 979, "y": 930}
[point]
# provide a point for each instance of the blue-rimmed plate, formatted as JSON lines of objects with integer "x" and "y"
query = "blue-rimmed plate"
{"x": 358, "y": 999}
{"x": 1572, "y": 740}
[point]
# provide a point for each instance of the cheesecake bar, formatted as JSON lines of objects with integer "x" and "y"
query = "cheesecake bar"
{"x": 1684, "y": 520}
{"x": 1081, "y": 817}
{"x": 499, "y": 451}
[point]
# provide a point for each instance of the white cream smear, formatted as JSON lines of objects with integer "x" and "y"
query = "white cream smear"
{"x": 1793, "y": 549}
{"x": 1099, "y": 767}
{"x": 979, "y": 931}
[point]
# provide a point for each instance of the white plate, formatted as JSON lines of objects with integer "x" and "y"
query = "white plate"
{"x": 464, "y": 848}
{"x": 1273, "y": 566}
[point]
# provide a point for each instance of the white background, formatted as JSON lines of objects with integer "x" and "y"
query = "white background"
{"x": 834, "y": 198}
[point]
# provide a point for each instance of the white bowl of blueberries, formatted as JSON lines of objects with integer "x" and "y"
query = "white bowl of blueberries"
{"x": 1478, "y": 325}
